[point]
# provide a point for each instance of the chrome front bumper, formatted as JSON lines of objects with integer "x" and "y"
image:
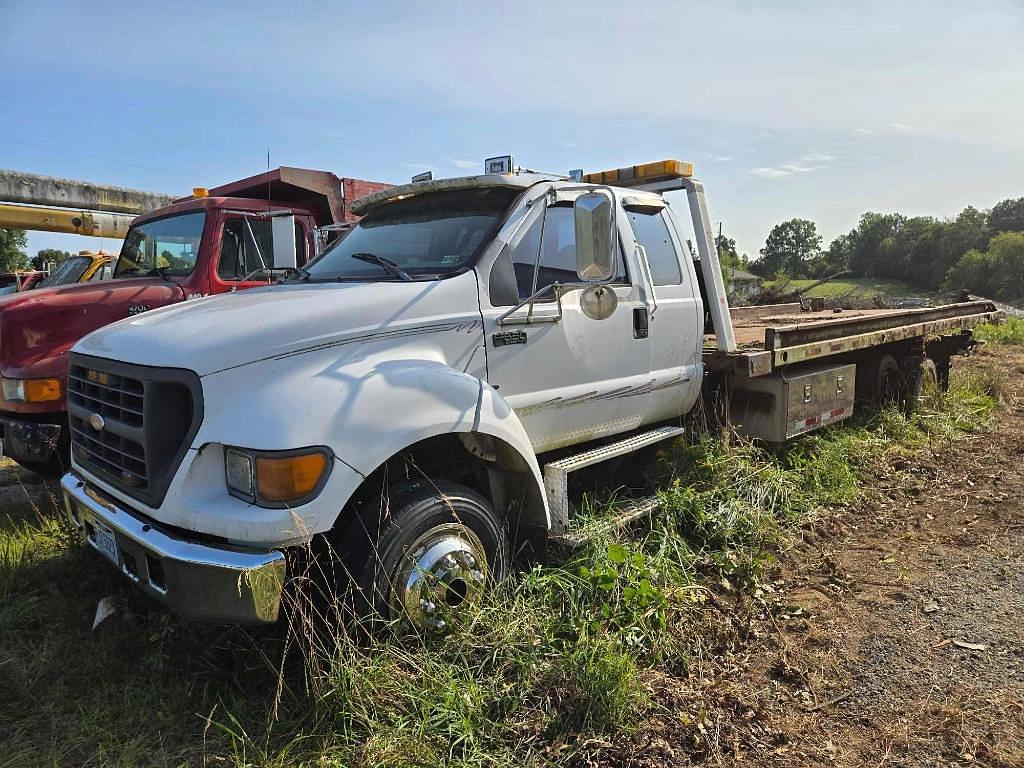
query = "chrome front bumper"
{"x": 203, "y": 582}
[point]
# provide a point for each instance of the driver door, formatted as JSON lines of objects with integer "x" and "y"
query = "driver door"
{"x": 570, "y": 378}
{"x": 243, "y": 241}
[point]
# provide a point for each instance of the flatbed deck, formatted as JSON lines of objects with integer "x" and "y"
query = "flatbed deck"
{"x": 773, "y": 336}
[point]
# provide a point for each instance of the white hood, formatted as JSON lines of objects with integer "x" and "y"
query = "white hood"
{"x": 233, "y": 329}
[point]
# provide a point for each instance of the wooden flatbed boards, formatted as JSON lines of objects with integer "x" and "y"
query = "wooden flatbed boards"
{"x": 773, "y": 336}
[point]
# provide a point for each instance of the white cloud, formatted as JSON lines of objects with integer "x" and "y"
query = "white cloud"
{"x": 770, "y": 173}
{"x": 723, "y": 159}
{"x": 467, "y": 164}
{"x": 863, "y": 132}
{"x": 810, "y": 162}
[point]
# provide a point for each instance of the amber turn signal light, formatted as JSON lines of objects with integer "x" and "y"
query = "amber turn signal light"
{"x": 42, "y": 390}
{"x": 288, "y": 478}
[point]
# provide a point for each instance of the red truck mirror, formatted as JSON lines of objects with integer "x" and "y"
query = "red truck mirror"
{"x": 282, "y": 231}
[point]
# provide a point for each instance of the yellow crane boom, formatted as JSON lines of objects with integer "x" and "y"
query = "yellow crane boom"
{"x": 68, "y": 220}
{"x": 50, "y": 204}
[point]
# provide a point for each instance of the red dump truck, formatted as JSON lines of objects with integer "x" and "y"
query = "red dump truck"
{"x": 214, "y": 241}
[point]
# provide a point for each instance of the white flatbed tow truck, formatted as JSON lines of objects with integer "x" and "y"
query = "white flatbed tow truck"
{"x": 420, "y": 395}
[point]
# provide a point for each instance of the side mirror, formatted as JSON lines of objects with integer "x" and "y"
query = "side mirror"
{"x": 282, "y": 232}
{"x": 595, "y": 225}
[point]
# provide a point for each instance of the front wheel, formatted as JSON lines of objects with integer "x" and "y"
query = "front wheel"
{"x": 432, "y": 556}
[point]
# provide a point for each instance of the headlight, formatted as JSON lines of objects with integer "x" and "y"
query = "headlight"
{"x": 31, "y": 390}
{"x": 276, "y": 478}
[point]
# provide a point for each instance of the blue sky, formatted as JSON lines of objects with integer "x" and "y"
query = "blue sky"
{"x": 815, "y": 109}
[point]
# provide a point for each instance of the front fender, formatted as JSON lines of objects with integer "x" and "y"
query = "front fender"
{"x": 365, "y": 411}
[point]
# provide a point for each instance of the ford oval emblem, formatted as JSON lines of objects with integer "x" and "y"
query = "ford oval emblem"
{"x": 96, "y": 422}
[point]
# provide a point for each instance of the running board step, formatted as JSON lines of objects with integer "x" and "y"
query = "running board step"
{"x": 556, "y": 474}
{"x": 623, "y": 517}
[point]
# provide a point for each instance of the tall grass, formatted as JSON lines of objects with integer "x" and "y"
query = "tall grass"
{"x": 556, "y": 659}
{"x": 1010, "y": 331}
{"x": 560, "y": 655}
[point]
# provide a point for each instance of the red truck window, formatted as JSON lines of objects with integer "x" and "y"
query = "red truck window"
{"x": 169, "y": 245}
{"x": 238, "y": 251}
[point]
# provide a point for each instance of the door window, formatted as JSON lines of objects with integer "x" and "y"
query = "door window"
{"x": 241, "y": 248}
{"x": 103, "y": 273}
{"x": 651, "y": 231}
{"x": 239, "y": 257}
{"x": 557, "y": 257}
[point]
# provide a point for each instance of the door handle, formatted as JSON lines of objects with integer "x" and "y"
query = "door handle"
{"x": 641, "y": 326}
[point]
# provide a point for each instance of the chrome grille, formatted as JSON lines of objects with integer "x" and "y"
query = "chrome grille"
{"x": 132, "y": 424}
{"x": 115, "y": 405}
{"x": 107, "y": 394}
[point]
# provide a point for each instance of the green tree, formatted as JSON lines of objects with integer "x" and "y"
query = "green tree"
{"x": 46, "y": 255}
{"x": 1007, "y": 216}
{"x": 997, "y": 272}
{"x": 868, "y": 242}
{"x": 12, "y": 249}
{"x": 837, "y": 257}
{"x": 791, "y": 247}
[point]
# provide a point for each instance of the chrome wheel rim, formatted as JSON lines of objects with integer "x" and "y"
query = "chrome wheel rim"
{"x": 442, "y": 573}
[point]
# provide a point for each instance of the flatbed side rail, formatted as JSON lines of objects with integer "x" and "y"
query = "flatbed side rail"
{"x": 779, "y": 337}
{"x": 812, "y": 350}
{"x": 803, "y": 343}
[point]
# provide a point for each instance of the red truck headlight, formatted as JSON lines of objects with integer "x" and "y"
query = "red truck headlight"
{"x": 276, "y": 478}
{"x": 31, "y": 390}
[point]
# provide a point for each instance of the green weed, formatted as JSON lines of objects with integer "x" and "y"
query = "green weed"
{"x": 1010, "y": 331}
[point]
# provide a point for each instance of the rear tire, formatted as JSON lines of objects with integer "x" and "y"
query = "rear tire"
{"x": 433, "y": 553}
{"x": 919, "y": 374}
{"x": 885, "y": 383}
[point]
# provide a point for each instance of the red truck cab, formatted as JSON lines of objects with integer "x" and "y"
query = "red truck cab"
{"x": 211, "y": 242}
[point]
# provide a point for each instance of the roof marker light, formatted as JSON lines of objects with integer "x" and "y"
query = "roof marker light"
{"x": 502, "y": 164}
{"x": 637, "y": 175}
{"x": 425, "y": 176}
{"x": 200, "y": 192}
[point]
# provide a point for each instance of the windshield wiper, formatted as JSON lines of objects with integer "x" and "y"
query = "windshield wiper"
{"x": 386, "y": 264}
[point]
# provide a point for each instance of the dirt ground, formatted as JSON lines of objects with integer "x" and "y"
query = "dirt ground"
{"x": 892, "y": 635}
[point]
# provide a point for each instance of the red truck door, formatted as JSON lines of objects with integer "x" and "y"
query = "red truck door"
{"x": 242, "y": 241}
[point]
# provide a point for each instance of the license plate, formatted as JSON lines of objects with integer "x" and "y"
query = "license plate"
{"x": 105, "y": 542}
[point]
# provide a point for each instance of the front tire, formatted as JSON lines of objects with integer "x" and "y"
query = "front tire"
{"x": 438, "y": 547}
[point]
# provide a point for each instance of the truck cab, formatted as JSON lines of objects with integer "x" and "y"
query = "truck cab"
{"x": 82, "y": 267}
{"x": 214, "y": 241}
{"x": 461, "y": 327}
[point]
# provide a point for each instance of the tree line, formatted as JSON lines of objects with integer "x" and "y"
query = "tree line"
{"x": 980, "y": 251}
{"x": 13, "y": 256}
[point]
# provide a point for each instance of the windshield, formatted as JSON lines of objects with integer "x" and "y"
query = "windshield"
{"x": 424, "y": 237}
{"x": 67, "y": 272}
{"x": 169, "y": 245}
